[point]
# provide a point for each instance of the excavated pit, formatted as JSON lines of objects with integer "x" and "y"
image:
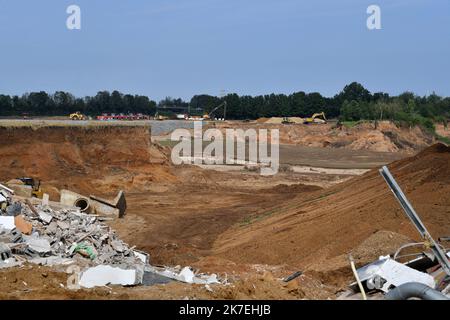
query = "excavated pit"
{"x": 230, "y": 222}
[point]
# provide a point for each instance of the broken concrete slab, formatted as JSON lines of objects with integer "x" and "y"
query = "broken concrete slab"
{"x": 143, "y": 256}
{"x": 45, "y": 217}
{"x": 118, "y": 246}
{"x": 7, "y": 222}
{"x": 40, "y": 245}
{"x": 103, "y": 275}
{"x": 63, "y": 225}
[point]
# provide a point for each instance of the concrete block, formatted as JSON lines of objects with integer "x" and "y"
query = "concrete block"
{"x": 45, "y": 217}
{"x": 45, "y": 199}
{"x": 38, "y": 244}
{"x": 7, "y": 222}
{"x": 103, "y": 275}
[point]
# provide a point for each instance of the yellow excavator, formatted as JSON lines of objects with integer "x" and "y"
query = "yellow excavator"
{"x": 77, "y": 116}
{"x": 317, "y": 118}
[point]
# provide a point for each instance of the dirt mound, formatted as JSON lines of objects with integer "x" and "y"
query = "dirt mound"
{"x": 83, "y": 158}
{"x": 320, "y": 227}
{"x": 299, "y": 187}
{"x": 386, "y": 137}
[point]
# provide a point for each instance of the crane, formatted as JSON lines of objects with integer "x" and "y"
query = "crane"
{"x": 224, "y": 105}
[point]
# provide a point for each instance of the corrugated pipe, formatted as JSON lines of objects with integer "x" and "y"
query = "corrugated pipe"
{"x": 414, "y": 290}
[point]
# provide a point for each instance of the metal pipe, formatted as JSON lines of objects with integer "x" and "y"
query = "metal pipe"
{"x": 414, "y": 290}
{"x": 414, "y": 217}
{"x": 355, "y": 273}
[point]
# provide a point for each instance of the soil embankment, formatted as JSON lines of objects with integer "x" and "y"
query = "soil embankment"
{"x": 317, "y": 230}
{"x": 85, "y": 159}
{"x": 385, "y": 137}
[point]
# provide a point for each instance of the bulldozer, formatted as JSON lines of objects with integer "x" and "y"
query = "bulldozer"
{"x": 286, "y": 120}
{"x": 317, "y": 118}
{"x": 35, "y": 184}
{"x": 77, "y": 116}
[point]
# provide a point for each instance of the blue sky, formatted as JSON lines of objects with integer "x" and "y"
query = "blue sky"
{"x": 179, "y": 48}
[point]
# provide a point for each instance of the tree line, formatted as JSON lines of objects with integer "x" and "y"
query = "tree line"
{"x": 353, "y": 103}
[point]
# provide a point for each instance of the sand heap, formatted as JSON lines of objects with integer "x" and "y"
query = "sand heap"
{"x": 316, "y": 228}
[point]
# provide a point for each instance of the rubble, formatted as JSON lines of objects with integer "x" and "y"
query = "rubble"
{"x": 426, "y": 276}
{"x": 43, "y": 235}
{"x": 61, "y": 235}
{"x": 185, "y": 275}
{"x": 386, "y": 273}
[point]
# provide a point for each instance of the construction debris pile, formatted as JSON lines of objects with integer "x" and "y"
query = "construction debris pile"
{"x": 46, "y": 236}
{"x": 424, "y": 275}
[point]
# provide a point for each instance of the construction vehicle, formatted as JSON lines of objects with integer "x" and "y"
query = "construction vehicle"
{"x": 211, "y": 114}
{"x": 317, "y": 118}
{"x": 77, "y": 116}
{"x": 34, "y": 184}
{"x": 286, "y": 120}
{"x": 160, "y": 117}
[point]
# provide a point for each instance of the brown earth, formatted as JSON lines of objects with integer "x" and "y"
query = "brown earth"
{"x": 310, "y": 231}
{"x": 249, "y": 229}
{"x": 387, "y": 137}
{"x": 95, "y": 159}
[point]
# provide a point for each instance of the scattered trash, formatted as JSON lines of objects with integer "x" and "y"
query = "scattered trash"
{"x": 50, "y": 234}
{"x": 386, "y": 272}
{"x": 426, "y": 275}
{"x": 85, "y": 250}
{"x": 185, "y": 275}
{"x": 293, "y": 276}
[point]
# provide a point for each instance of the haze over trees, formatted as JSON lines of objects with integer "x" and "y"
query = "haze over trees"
{"x": 353, "y": 103}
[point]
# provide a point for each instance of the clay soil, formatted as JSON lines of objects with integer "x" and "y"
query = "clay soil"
{"x": 249, "y": 229}
{"x": 384, "y": 137}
